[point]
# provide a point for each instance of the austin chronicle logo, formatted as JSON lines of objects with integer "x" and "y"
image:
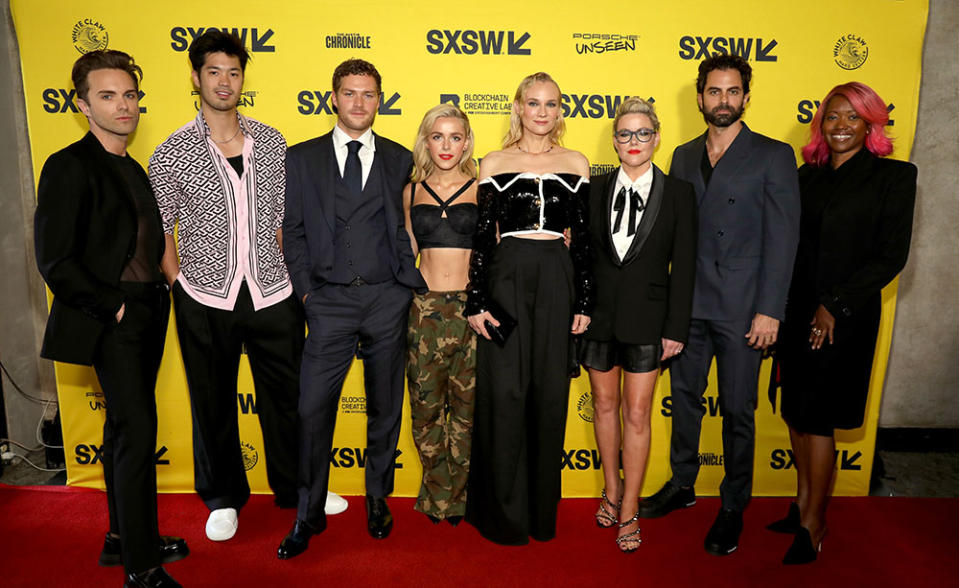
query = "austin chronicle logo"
{"x": 89, "y": 35}
{"x": 250, "y": 456}
{"x": 850, "y": 52}
{"x": 584, "y": 407}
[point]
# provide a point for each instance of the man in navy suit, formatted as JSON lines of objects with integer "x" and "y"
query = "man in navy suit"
{"x": 748, "y": 194}
{"x": 351, "y": 263}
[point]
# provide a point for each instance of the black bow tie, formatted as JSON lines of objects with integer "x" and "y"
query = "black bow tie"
{"x": 636, "y": 205}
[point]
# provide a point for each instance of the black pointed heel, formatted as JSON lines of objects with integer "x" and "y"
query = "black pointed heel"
{"x": 788, "y": 525}
{"x": 802, "y": 550}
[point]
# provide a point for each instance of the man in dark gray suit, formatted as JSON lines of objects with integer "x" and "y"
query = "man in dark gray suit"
{"x": 350, "y": 260}
{"x": 748, "y": 194}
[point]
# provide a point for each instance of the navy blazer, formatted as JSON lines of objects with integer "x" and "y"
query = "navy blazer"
{"x": 748, "y": 226}
{"x": 309, "y": 225}
{"x": 85, "y": 232}
{"x": 648, "y": 294}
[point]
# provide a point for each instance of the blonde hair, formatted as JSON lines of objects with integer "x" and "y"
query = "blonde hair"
{"x": 422, "y": 162}
{"x": 516, "y": 124}
{"x": 636, "y": 105}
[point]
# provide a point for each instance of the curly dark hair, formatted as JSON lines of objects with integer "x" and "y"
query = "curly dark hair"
{"x": 724, "y": 61}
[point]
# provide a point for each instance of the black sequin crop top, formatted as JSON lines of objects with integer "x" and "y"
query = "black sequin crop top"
{"x": 432, "y": 229}
{"x": 524, "y": 203}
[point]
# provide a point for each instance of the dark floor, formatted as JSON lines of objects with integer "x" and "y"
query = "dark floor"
{"x": 897, "y": 472}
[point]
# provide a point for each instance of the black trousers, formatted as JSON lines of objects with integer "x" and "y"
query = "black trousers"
{"x": 369, "y": 322}
{"x": 737, "y": 368}
{"x": 211, "y": 341}
{"x": 522, "y": 393}
{"x": 126, "y": 362}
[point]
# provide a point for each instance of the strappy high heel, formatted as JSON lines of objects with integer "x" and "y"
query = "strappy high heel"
{"x": 606, "y": 518}
{"x": 631, "y": 537}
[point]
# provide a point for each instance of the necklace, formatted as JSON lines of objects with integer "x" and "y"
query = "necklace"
{"x": 233, "y": 136}
{"x": 551, "y": 145}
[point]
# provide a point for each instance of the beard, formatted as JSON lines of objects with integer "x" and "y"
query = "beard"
{"x": 723, "y": 119}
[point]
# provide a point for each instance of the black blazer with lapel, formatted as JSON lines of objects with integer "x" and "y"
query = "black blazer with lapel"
{"x": 85, "y": 231}
{"x": 749, "y": 226}
{"x": 309, "y": 225}
{"x": 639, "y": 299}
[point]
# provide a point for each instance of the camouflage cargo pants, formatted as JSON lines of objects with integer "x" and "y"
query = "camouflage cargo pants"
{"x": 441, "y": 367}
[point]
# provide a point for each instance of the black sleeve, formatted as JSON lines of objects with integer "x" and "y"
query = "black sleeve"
{"x": 483, "y": 243}
{"x": 580, "y": 249}
{"x": 682, "y": 275}
{"x": 61, "y": 223}
{"x": 890, "y": 251}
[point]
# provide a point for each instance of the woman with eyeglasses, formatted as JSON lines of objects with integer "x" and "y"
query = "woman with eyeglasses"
{"x": 530, "y": 192}
{"x": 643, "y": 232}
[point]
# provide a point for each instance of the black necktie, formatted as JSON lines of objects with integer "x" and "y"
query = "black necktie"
{"x": 353, "y": 171}
{"x": 636, "y": 205}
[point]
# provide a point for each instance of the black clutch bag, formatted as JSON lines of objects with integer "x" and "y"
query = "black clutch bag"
{"x": 507, "y": 323}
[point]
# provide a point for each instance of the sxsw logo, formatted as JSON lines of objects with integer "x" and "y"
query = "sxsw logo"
{"x": 581, "y": 459}
{"x": 246, "y": 403}
{"x": 747, "y": 48}
{"x": 318, "y": 102}
{"x": 807, "y": 109}
{"x": 783, "y": 459}
{"x": 93, "y": 454}
{"x": 592, "y": 105}
{"x": 61, "y": 100}
{"x": 355, "y": 457}
{"x": 256, "y": 41}
{"x": 470, "y": 42}
{"x": 711, "y": 403}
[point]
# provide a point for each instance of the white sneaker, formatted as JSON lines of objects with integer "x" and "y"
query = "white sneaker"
{"x": 335, "y": 504}
{"x": 221, "y": 525}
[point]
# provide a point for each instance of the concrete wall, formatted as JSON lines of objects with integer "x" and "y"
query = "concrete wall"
{"x": 925, "y": 353}
{"x": 23, "y": 305}
{"x": 923, "y": 375}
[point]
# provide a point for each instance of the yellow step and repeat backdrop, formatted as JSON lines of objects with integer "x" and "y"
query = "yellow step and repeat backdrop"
{"x": 475, "y": 55}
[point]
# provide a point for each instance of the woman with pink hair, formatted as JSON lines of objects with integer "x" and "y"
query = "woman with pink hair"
{"x": 854, "y": 236}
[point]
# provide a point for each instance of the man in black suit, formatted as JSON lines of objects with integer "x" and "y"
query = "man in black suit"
{"x": 748, "y": 195}
{"x": 99, "y": 243}
{"x": 351, "y": 263}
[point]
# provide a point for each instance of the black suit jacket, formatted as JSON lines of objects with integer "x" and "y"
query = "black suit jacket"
{"x": 85, "y": 231}
{"x": 863, "y": 239}
{"x": 639, "y": 299}
{"x": 309, "y": 225}
{"x": 748, "y": 229}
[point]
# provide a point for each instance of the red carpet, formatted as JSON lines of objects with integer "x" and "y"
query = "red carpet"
{"x": 51, "y": 536}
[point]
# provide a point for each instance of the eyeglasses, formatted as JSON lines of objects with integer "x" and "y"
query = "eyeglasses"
{"x": 642, "y": 135}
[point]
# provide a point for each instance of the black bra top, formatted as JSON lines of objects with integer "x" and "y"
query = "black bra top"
{"x": 432, "y": 229}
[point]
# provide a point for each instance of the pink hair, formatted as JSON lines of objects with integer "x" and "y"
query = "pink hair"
{"x": 867, "y": 105}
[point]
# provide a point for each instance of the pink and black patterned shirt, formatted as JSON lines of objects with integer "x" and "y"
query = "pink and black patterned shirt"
{"x": 226, "y": 224}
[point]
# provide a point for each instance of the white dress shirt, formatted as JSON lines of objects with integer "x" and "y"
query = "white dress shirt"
{"x": 642, "y": 185}
{"x": 367, "y": 151}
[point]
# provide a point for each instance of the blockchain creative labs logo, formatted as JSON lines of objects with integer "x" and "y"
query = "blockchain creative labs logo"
{"x": 495, "y": 103}
{"x": 349, "y": 41}
{"x": 599, "y": 43}
{"x": 247, "y": 99}
{"x": 90, "y": 35}
{"x": 850, "y": 52}
{"x": 584, "y": 407}
{"x": 353, "y": 404}
{"x": 250, "y": 455}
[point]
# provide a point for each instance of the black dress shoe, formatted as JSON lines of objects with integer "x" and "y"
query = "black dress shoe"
{"x": 723, "y": 536}
{"x": 802, "y": 550}
{"x": 454, "y": 520}
{"x": 297, "y": 540}
{"x": 155, "y": 578}
{"x": 171, "y": 549}
{"x": 669, "y": 498}
{"x": 788, "y": 525}
{"x": 379, "y": 521}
